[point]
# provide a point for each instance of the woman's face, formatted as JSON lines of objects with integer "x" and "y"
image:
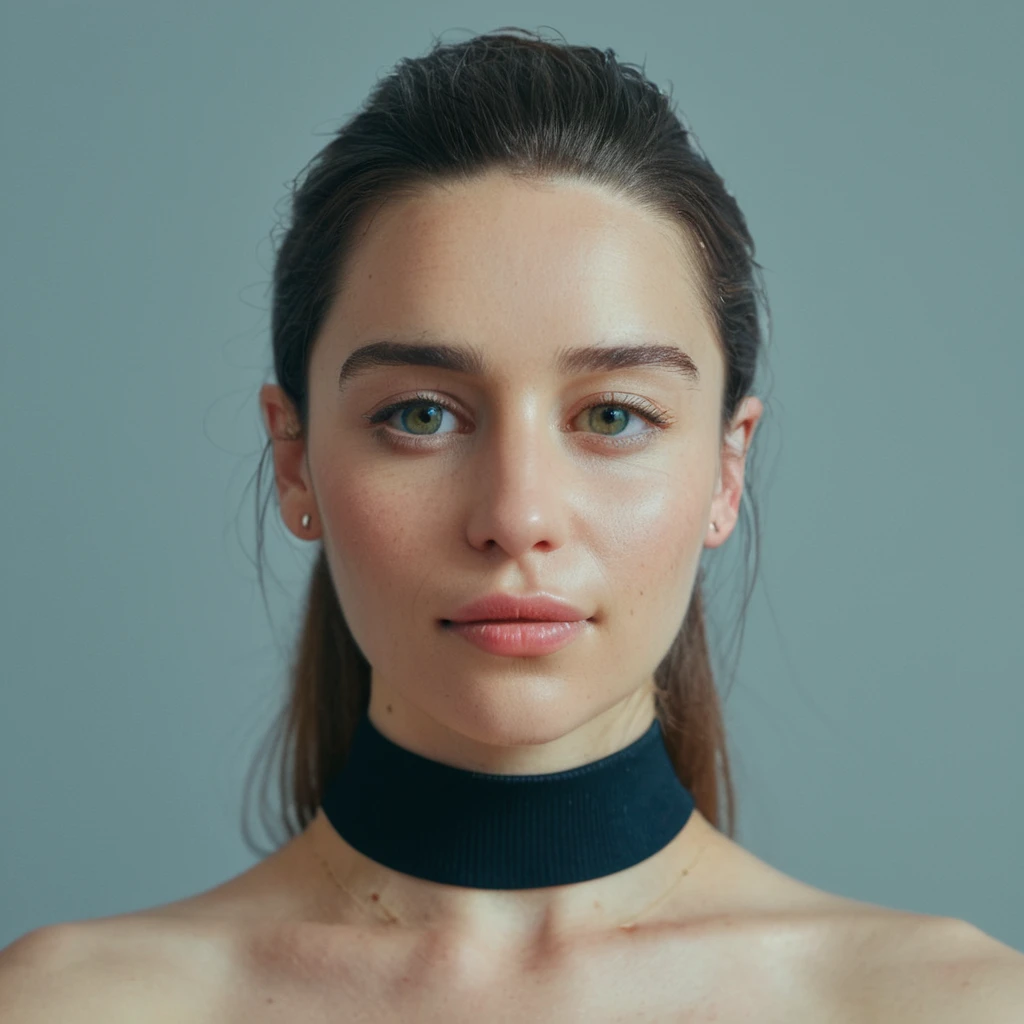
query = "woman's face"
{"x": 518, "y": 476}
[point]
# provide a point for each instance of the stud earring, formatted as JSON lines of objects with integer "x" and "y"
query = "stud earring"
{"x": 714, "y": 526}
{"x": 306, "y": 521}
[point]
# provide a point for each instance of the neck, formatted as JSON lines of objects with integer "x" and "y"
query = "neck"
{"x": 353, "y": 891}
{"x": 412, "y": 840}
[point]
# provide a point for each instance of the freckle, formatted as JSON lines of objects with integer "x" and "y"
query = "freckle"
{"x": 389, "y": 708}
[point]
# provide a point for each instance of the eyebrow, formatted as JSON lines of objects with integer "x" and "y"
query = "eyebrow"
{"x": 469, "y": 360}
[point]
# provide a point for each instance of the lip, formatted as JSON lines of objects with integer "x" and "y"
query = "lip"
{"x": 519, "y": 639}
{"x": 510, "y": 608}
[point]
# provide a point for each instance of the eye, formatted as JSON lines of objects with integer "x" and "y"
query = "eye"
{"x": 610, "y": 419}
{"x": 419, "y": 413}
{"x": 422, "y": 414}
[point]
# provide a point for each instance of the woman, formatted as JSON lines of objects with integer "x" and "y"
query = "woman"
{"x": 515, "y": 329}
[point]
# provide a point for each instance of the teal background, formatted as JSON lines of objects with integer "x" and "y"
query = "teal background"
{"x": 876, "y": 149}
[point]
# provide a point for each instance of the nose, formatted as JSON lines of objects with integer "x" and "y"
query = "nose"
{"x": 522, "y": 491}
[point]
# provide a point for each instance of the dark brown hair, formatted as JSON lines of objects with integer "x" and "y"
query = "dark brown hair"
{"x": 536, "y": 109}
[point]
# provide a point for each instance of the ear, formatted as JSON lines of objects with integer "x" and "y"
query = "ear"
{"x": 291, "y": 471}
{"x": 725, "y": 503}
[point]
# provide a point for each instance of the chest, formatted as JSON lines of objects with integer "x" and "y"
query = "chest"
{"x": 721, "y": 979}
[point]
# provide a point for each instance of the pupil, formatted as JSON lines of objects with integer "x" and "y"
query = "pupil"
{"x": 423, "y": 417}
{"x": 611, "y": 414}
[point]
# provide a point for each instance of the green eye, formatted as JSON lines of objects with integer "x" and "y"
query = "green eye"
{"x": 612, "y": 416}
{"x": 427, "y": 414}
{"x": 421, "y": 416}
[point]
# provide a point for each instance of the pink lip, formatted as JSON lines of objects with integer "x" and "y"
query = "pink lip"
{"x": 522, "y": 639}
{"x": 500, "y": 607}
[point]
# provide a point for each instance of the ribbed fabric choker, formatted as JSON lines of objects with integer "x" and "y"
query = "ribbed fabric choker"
{"x": 446, "y": 824}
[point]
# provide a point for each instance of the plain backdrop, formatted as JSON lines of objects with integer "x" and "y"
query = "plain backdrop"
{"x": 876, "y": 715}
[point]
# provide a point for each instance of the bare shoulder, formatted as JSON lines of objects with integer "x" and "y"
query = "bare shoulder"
{"x": 108, "y": 970}
{"x": 45, "y": 975}
{"x": 916, "y": 967}
{"x": 872, "y": 963}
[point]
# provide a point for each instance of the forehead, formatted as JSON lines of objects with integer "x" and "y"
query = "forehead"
{"x": 521, "y": 269}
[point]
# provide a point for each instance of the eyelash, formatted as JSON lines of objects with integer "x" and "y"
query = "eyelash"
{"x": 643, "y": 408}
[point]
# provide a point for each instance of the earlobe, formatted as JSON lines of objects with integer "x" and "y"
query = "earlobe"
{"x": 714, "y": 538}
{"x": 308, "y": 531}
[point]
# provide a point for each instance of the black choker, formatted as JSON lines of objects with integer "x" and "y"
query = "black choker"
{"x": 446, "y": 824}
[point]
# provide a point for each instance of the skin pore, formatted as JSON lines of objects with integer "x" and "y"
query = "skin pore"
{"x": 526, "y": 482}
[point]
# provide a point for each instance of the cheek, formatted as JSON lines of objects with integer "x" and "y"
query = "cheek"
{"x": 381, "y": 538}
{"x": 648, "y": 543}
{"x": 652, "y": 540}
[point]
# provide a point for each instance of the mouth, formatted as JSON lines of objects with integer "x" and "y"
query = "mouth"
{"x": 503, "y": 622}
{"x": 517, "y": 637}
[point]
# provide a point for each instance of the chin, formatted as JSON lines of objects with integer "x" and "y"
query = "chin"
{"x": 516, "y": 720}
